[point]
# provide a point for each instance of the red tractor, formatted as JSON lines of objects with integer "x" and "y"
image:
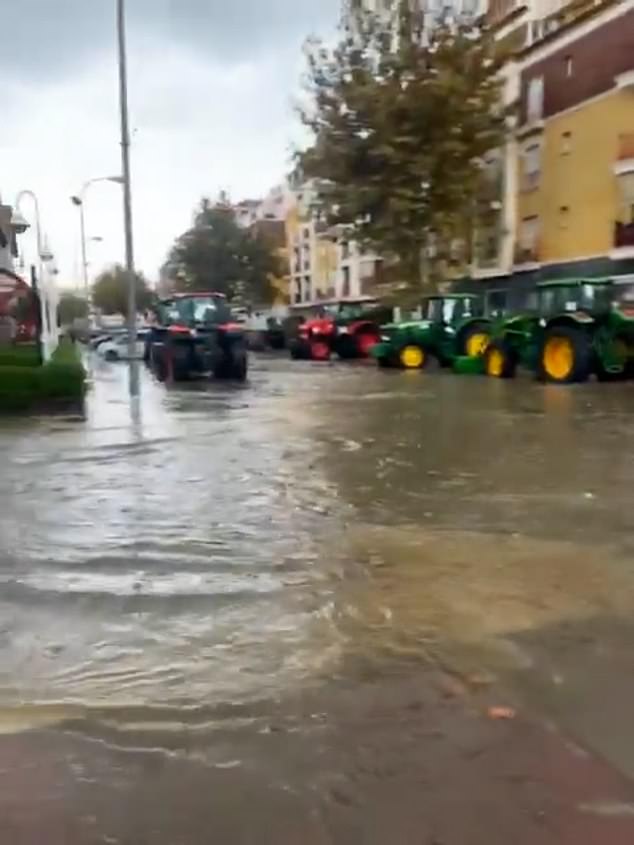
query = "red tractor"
{"x": 348, "y": 328}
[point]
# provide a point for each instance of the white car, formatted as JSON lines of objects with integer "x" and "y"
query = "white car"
{"x": 117, "y": 348}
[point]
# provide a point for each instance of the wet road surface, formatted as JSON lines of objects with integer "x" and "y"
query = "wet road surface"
{"x": 280, "y": 612}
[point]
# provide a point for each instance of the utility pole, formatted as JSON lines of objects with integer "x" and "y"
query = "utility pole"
{"x": 127, "y": 198}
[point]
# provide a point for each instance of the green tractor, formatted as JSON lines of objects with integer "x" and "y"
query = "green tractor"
{"x": 577, "y": 328}
{"x": 451, "y": 327}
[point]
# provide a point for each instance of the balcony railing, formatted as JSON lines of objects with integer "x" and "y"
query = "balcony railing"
{"x": 623, "y": 234}
{"x": 526, "y": 254}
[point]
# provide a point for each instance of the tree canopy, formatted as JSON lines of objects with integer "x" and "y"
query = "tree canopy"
{"x": 216, "y": 254}
{"x": 110, "y": 292}
{"x": 401, "y": 117}
{"x": 70, "y": 308}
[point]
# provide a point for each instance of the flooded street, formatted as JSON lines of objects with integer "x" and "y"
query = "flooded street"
{"x": 281, "y": 612}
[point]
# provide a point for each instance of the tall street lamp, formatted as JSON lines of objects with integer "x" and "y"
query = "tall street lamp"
{"x": 127, "y": 197}
{"x": 80, "y": 201}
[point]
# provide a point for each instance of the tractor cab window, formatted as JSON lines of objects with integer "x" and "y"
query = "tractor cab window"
{"x": 199, "y": 309}
{"x": 440, "y": 310}
{"x": 624, "y": 299}
{"x": 349, "y": 311}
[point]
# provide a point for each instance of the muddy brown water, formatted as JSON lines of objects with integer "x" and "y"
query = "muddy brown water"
{"x": 244, "y": 588}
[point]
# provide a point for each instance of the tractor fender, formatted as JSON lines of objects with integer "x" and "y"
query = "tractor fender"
{"x": 578, "y": 319}
{"x": 363, "y": 326}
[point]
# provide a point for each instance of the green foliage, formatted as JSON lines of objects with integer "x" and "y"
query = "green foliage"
{"x": 19, "y": 355}
{"x": 218, "y": 255}
{"x": 61, "y": 382}
{"x": 400, "y": 126}
{"x": 71, "y": 308}
{"x": 110, "y": 292}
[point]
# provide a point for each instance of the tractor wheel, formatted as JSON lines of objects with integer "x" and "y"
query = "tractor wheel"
{"x": 474, "y": 340}
{"x": 365, "y": 342}
{"x": 319, "y": 350}
{"x": 385, "y": 363}
{"x": 565, "y": 356}
{"x": 347, "y": 347}
{"x": 413, "y": 357}
{"x": 299, "y": 350}
{"x": 620, "y": 366}
{"x": 158, "y": 363}
{"x": 500, "y": 360}
{"x": 239, "y": 363}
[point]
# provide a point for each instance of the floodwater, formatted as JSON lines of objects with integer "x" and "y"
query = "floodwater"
{"x": 260, "y": 613}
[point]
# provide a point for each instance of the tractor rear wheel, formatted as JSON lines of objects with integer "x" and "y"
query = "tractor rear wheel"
{"x": 565, "y": 356}
{"x": 500, "y": 360}
{"x": 319, "y": 350}
{"x": 474, "y": 340}
{"x": 413, "y": 357}
{"x": 616, "y": 364}
{"x": 365, "y": 341}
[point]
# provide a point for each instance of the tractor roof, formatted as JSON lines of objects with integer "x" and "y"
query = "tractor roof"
{"x": 194, "y": 295}
{"x": 452, "y": 296}
{"x": 599, "y": 281}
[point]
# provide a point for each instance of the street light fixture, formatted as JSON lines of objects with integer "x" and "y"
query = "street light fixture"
{"x": 80, "y": 201}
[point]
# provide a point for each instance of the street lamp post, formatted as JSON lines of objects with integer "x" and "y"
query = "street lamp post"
{"x": 43, "y": 254}
{"x": 80, "y": 201}
{"x": 127, "y": 196}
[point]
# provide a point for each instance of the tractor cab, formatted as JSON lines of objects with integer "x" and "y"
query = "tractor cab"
{"x": 590, "y": 297}
{"x": 194, "y": 335}
{"x": 194, "y": 310}
{"x": 453, "y": 309}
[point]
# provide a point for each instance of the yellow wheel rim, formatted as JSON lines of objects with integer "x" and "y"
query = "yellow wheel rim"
{"x": 558, "y": 358}
{"x": 495, "y": 363}
{"x": 412, "y": 357}
{"x": 477, "y": 344}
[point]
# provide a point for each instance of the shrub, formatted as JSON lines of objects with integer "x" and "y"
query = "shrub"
{"x": 61, "y": 381}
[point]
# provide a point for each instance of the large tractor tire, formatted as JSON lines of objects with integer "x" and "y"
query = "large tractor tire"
{"x": 239, "y": 363}
{"x": 365, "y": 341}
{"x": 158, "y": 363}
{"x": 413, "y": 357}
{"x": 500, "y": 360}
{"x": 617, "y": 363}
{"x": 565, "y": 356}
{"x": 299, "y": 350}
{"x": 319, "y": 350}
{"x": 474, "y": 340}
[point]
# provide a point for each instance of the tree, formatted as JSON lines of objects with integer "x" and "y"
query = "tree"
{"x": 110, "y": 292}
{"x": 71, "y": 308}
{"x": 401, "y": 117}
{"x": 218, "y": 255}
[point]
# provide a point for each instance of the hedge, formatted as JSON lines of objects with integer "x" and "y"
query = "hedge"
{"x": 22, "y": 355}
{"x": 59, "y": 384}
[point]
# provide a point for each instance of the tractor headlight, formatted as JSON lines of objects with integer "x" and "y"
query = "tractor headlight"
{"x": 385, "y": 338}
{"x": 343, "y": 330}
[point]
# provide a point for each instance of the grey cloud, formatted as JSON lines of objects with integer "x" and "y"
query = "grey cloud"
{"x": 50, "y": 38}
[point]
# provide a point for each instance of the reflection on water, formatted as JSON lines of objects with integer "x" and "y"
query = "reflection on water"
{"x": 232, "y": 545}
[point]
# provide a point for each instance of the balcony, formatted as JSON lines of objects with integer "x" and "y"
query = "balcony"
{"x": 526, "y": 255}
{"x": 623, "y": 241}
{"x": 625, "y": 155}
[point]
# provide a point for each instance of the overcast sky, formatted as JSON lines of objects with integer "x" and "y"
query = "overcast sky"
{"x": 211, "y": 90}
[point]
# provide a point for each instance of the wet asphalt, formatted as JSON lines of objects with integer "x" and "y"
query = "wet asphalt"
{"x": 274, "y": 611}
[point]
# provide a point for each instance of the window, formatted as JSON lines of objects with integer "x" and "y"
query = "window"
{"x": 532, "y": 167}
{"x": 569, "y": 66}
{"x": 527, "y": 246}
{"x": 566, "y": 143}
{"x": 345, "y": 291}
{"x": 535, "y": 99}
